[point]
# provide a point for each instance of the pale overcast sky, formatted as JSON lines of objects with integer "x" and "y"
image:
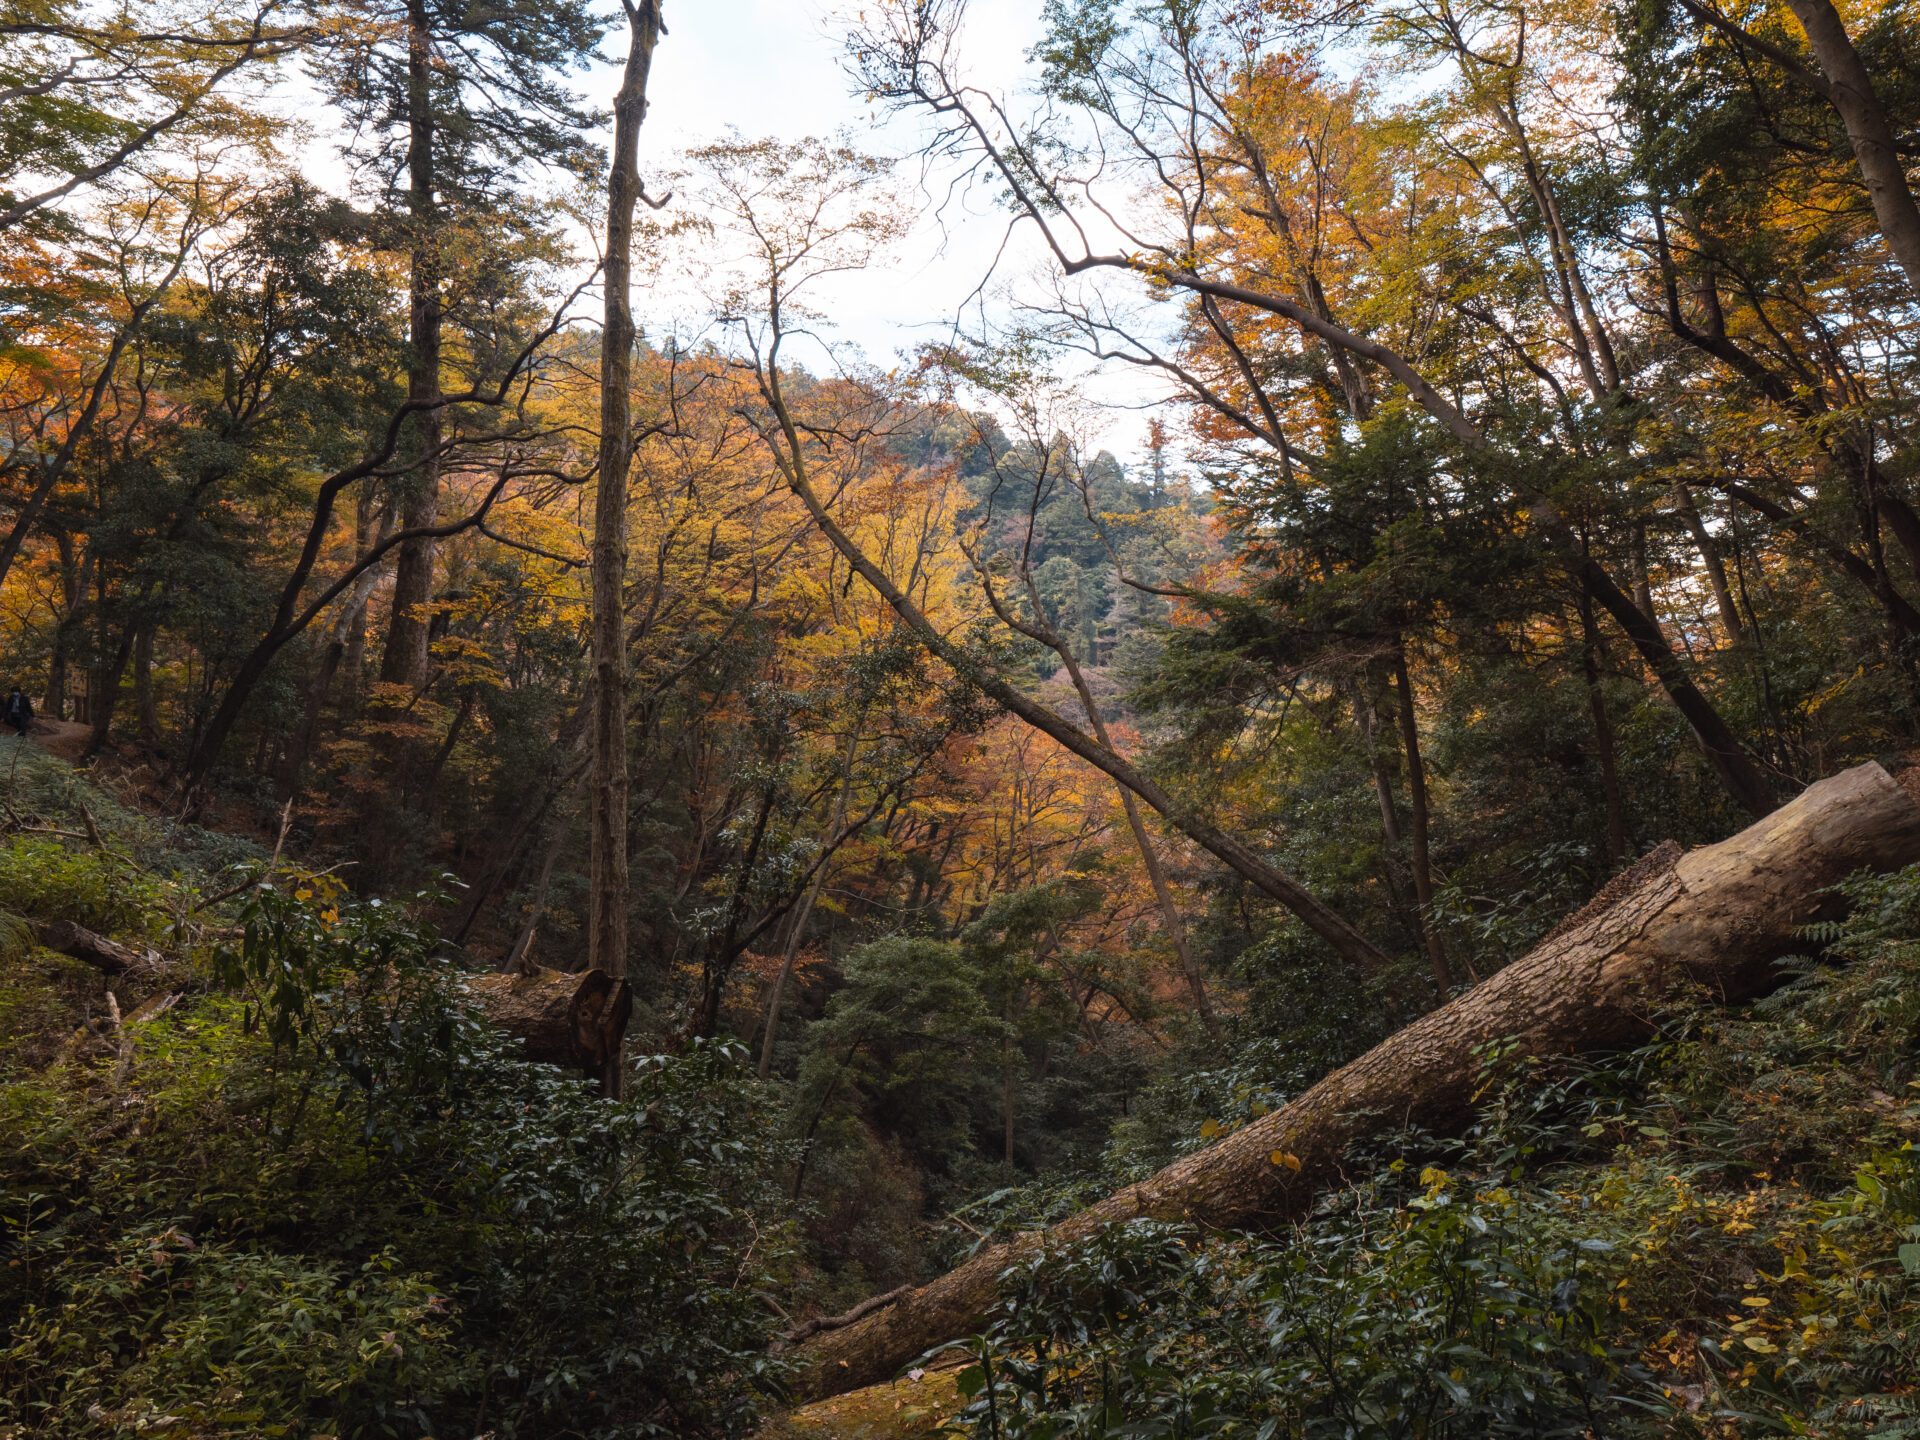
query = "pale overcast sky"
{"x": 772, "y": 68}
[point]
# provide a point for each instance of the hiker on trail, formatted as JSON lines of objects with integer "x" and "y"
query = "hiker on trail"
{"x": 19, "y": 712}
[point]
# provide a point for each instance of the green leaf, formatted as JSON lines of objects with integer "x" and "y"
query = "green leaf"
{"x": 1910, "y": 1259}
{"x": 971, "y": 1381}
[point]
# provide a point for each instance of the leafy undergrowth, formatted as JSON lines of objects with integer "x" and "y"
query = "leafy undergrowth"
{"x": 305, "y": 1190}
{"x": 1716, "y": 1235}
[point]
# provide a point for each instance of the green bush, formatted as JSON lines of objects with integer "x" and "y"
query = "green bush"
{"x": 43, "y": 880}
{"x": 346, "y": 1139}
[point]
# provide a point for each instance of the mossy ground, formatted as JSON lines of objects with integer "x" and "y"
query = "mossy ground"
{"x": 903, "y": 1410}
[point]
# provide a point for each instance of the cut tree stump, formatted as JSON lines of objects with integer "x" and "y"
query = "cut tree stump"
{"x": 576, "y": 1021}
{"x": 1716, "y": 918}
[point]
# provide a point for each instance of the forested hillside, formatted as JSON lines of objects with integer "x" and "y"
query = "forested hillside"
{"x": 1301, "y": 818}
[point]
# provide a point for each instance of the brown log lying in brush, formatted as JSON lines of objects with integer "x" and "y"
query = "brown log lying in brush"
{"x": 576, "y": 1021}
{"x": 1717, "y": 918}
{"x": 109, "y": 957}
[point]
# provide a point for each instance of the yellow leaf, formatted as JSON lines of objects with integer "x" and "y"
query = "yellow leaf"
{"x": 1209, "y": 1129}
{"x": 1281, "y": 1157}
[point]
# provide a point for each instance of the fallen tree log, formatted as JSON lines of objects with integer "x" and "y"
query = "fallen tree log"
{"x": 576, "y": 1021}
{"x": 109, "y": 957}
{"x": 1717, "y": 917}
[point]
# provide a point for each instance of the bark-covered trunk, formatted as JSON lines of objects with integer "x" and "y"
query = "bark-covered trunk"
{"x": 1850, "y": 91}
{"x": 405, "y": 660}
{"x": 575, "y": 1021}
{"x": 1716, "y": 918}
{"x": 1591, "y": 654}
{"x": 146, "y": 704}
{"x": 607, "y": 802}
{"x": 1710, "y": 560}
{"x": 102, "y": 697}
{"x": 109, "y": 957}
{"x": 1417, "y": 804}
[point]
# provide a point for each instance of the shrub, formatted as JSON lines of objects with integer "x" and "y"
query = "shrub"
{"x": 341, "y": 1157}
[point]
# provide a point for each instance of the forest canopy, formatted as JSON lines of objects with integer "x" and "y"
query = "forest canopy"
{"x": 573, "y": 840}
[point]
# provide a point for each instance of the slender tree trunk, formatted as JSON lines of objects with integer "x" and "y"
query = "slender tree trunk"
{"x": 146, "y": 708}
{"x": 1006, "y": 1078}
{"x": 1642, "y": 580}
{"x": 405, "y": 659}
{"x": 720, "y": 958}
{"x": 607, "y": 805}
{"x": 1417, "y": 805}
{"x": 353, "y": 623}
{"x": 55, "y": 703}
{"x": 100, "y": 710}
{"x": 430, "y": 785}
{"x": 1735, "y": 768}
{"x": 1710, "y": 560}
{"x": 805, "y": 913}
{"x": 1367, "y": 718}
{"x": 1346, "y": 941}
{"x": 517, "y": 958}
{"x": 346, "y": 644}
{"x": 1170, "y": 919}
{"x": 1590, "y": 657}
{"x": 71, "y": 591}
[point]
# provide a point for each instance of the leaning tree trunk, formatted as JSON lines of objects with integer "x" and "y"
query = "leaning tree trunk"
{"x": 1715, "y": 918}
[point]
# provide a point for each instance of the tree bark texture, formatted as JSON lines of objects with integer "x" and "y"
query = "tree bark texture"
{"x": 1417, "y": 803}
{"x": 405, "y": 660}
{"x": 1850, "y": 92}
{"x": 575, "y": 1021}
{"x": 607, "y": 802}
{"x": 1715, "y": 918}
{"x": 109, "y": 957}
{"x": 1710, "y": 560}
{"x": 1590, "y": 657}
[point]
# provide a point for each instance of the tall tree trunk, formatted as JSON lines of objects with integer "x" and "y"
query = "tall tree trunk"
{"x": 1367, "y": 718}
{"x": 104, "y": 694}
{"x": 1716, "y": 918}
{"x": 1642, "y": 580}
{"x": 72, "y": 588}
{"x": 607, "y": 804}
{"x": 1850, "y": 91}
{"x": 405, "y": 659}
{"x": 1417, "y": 805}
